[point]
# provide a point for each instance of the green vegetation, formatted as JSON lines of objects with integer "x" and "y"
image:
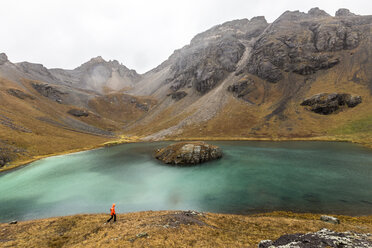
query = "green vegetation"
{"x": 363, "y": 125}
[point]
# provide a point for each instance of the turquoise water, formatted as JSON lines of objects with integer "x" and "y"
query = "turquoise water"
{"x": 252, "y": 177}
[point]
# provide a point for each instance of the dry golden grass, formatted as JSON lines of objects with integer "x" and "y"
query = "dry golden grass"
{"x": 218, "y": 230}
{"x": 44, "y": 138}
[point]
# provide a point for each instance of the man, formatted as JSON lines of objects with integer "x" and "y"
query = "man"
{"x": 113, "y": 214}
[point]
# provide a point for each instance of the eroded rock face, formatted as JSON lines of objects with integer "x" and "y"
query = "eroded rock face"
{"x": 212, "y": 55}
{"x": 188, "y": 153}
{"x": 325, "y": 103}
{"x": 242, "y": 89}
{"x": 304, "y": 43}
{"x": 322, "y": 238}
{"x": 49, "y": 92}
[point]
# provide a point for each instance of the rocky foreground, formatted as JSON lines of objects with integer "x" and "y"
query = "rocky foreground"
{"x": 188, "y": 153}
{"x": 174, "y": 229}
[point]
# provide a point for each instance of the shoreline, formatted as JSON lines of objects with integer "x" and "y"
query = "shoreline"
{"x": 276, "y": 213}
{"x": 170, "y": 228}
{"x": 22, "y": 163}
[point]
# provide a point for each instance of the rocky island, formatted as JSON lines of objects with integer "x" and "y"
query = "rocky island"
{"x": 188, "y": 153}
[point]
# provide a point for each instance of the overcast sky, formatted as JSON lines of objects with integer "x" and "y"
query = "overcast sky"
{"x": 140, "y": 34}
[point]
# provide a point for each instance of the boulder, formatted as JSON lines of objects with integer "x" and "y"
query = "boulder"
{"x": 178, "y": 95}
{"x": 322, "y": 238}
{"x": 78, "y": 112}
{"x": 328, "y": 103}
{"x": 330, "y": 219}
{"x": 4, "y": 157}
{"x": 188, "y": 153}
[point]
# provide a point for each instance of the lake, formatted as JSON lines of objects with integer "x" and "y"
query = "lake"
{"x": 252, "y": 177}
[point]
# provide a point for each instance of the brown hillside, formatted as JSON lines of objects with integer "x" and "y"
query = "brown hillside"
{"x": 169, "y": 229}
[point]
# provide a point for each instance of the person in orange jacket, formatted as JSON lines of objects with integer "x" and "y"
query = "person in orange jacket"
{"x": 113, "y": 214}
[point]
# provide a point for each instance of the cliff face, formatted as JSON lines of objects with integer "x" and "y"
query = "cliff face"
{"x": 248, "y": 78}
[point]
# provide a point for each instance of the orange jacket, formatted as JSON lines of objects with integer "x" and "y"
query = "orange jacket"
{"x": 113, "y": 209}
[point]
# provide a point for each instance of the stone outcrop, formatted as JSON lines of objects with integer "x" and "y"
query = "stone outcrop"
{"x": 323, "y": 238}
{"x": 3, "y": 159}
{"x": 325, "y": 103}
{"x": 78, "y": 112}
{"x": 49, "y": 92}
{"x": 5, "y": 156}
{"x": 330, "y": 219}
{"x": 242, "y": 89}
{"x": 178, "y": 95}
{"x": 303, "y": 43}
{"x": 212, "y": 55}
{"x": 188, "y": 153}
{"x": 344, "y": 12}
{"x": 20, "y": 94}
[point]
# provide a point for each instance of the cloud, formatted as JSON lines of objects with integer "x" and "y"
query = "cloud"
{"x": 140, "y": 34}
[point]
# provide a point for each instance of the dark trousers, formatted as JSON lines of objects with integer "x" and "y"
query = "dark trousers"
{"x": 112, "y": 216}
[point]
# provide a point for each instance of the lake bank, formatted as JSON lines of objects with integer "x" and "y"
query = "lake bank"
{"x": 24, "y": 162}
{"x": 169, "y": 229}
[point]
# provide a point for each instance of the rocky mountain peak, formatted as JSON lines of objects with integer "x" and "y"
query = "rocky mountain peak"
{"x": 3, "y": 58}
{"x": 344, "y": 12}
{"x": 259, "y": 19}
{"x": 316, "y": 12}
{"x": 97, "y": 59}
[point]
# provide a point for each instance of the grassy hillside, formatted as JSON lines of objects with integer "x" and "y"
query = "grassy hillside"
{"x": 169, "y": 229}
{"x": 32, "y": 126}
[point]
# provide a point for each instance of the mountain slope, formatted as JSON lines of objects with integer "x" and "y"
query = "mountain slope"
{"x": 265, "y": 77}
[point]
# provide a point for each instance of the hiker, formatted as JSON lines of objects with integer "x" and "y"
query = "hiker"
{"x": 113, "y": 214}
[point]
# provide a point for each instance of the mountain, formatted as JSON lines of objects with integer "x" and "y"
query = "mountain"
{"x": 248, "y": 79}
{"x": 304, "y": 76}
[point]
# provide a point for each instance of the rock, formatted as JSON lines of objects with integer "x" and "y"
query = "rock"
{"x": 3, "y": 58}
{"x": 78, "y": 112}
{"x": 49, "y": 92}
{"x": 265, "y": 243}
{"x": 303, "y": 43}
{"x": 13, "y": 222}
{"x": 243, "y": 89}
{"x": 316, "y": 12}
{"x": 5, "y": 157}
{"x": 212, "y": 55}
{"x": 142, "y": 235}
{"x": 344, "y": 12}
{"x": 178, "y": 95}
{"x": 325, "y": 103}
{"x": 20, "y": 94}
{"x": 142, "y": 106}
{"x": 188, "y": 153}
{"x": 323, "y": 238}
{"x": 330, "y": 219}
